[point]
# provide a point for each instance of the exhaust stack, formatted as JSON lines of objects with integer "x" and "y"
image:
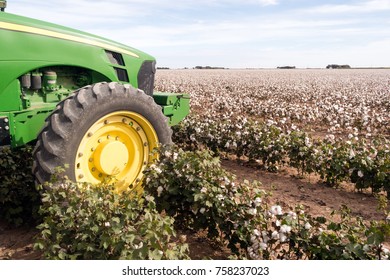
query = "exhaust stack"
{"x": 3, "y": 5}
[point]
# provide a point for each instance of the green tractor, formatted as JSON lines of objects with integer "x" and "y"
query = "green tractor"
{"x": 86, "y": 102}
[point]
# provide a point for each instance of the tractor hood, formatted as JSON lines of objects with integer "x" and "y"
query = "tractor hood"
{"x": 23, "y": 24}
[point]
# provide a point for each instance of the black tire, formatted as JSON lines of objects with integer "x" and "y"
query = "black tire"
{"x": 68, "y": 125}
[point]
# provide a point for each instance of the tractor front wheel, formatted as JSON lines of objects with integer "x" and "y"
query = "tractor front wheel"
{"x": 104, "y": 131}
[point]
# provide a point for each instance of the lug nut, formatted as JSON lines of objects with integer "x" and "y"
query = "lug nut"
{"x": 81, "y": 176}
{"x": 106, "y": 122}
{"x": 89, "y": 134}
{"x": 81, "y": 154}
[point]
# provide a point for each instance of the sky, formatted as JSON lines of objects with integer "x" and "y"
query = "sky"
{"x": 232, "y": 33}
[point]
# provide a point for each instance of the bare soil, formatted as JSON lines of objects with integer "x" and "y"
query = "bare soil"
{"x": 287, "y": 190}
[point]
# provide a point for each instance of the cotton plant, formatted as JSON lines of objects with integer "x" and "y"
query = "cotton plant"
{"x": 335, "y": 159}
{"x": 94, "y": 222}
{"x": 294, "y": 234}
{"x": 242, "y": 216}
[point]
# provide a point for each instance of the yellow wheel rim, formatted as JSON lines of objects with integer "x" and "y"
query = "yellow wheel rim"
{"x": 119, "y": 147}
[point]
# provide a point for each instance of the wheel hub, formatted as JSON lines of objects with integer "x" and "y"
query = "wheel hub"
{"x": 118, "y": 145}
{"x": 111, "y": 157}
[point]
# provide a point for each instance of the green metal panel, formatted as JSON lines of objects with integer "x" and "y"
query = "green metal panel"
{"x": 25, "y": 125}
{"x": 8, "y": 100}
{"x": 176, "y": 106}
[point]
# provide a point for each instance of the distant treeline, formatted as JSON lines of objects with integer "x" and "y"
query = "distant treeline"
{"x": 208, "y": 67}
{"x": 337, "y": 66}
{"x": 329, "y": 66}
{"x": 196, "y": 67}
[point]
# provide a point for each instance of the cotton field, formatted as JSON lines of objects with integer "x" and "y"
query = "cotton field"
{"x": 330, "y": 101}
{"x": 334, "y": 123}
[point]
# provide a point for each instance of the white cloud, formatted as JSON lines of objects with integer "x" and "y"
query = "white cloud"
{"x": 269, "y": 2}
{"x": 234, "y": 32}
{"x": 360, "y": 7}
{"x": 77, "y": 14}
